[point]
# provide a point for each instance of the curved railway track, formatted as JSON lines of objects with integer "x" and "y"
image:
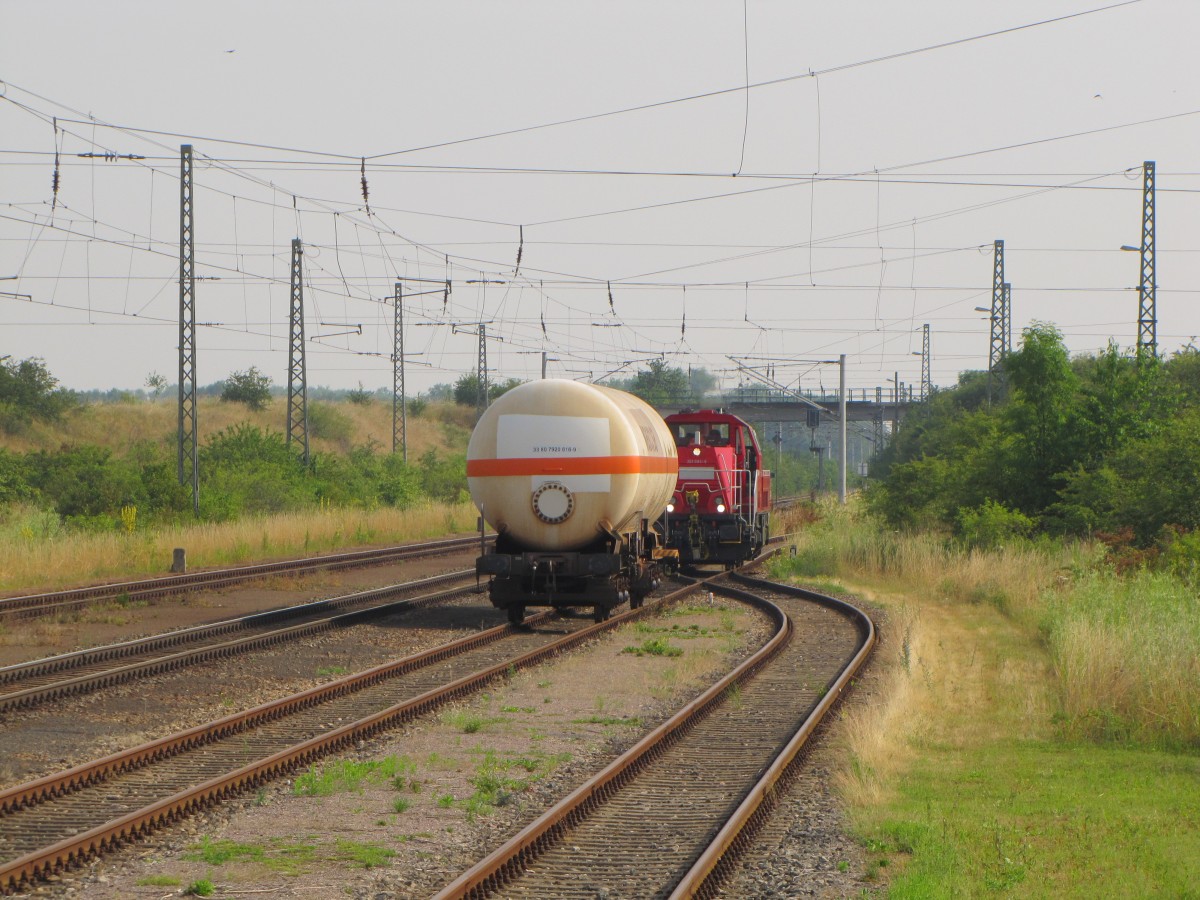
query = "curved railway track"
{"x": 668, "y": 817}
{"x": 153, "y": 588}
{"x": 60, "y": 820}
{"x": 28, "y": 684}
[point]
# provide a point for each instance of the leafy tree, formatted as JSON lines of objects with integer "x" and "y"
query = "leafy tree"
{"x": 701, "y": 382}
{"x": 29, "y": 391}
{"x": 991, "y": 525}
{"x": 466, "y": 389}
{"x": 661, "y": 385}
{"x": 360, "y": 396}
{"x": 1159, "y": 478}
{"x": 14, "y": 478}
{"x": 441, "y": 391}
{"x": 84, "y": 481}
{"x": 1182, "y": 373}
{"x": 250, "y": 387}
{"x": 1042, "y": 414}
{"x": 156, "y": 383}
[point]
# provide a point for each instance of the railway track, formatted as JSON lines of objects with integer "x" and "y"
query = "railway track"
{"x": 32, "y": 683}
{"x": 669, "y": 816}
{"x": 33, "y": 605}
{"x": 60, "y": 820}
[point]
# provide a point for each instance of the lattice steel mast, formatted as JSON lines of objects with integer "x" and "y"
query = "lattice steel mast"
{"x": 996, "y": 345}
{"x": 189, "y": 457}
{"x": 926, "y": 383}
{"x": 1147, "y": 340}
{"x": 297, "y": 406}
{"x": 399, "y": 399}
{"x": 481, "y": 399}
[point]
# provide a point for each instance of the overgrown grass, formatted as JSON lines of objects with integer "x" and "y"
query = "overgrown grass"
{"x": 850, "y": 545}
{"x": 287, "y": 857}
{"x": 350, "y": 775}
{"x": 1127, "y": 655}
{"x": 500, "y": 777}
{"x": 368, "y": 856}
{"x": 655, "y": 647}
{"x": 1033, "y": 733}
{"x": 36, "y": 555}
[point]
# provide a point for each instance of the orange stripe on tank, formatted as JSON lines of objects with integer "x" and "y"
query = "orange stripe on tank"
{"x": 574, "y": 465}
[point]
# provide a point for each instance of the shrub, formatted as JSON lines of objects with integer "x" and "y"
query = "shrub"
{"x": 443, "y": 478}
{"x": 250, "y": 387}
{"x": 327, "y": 421}
{"x": 360, "y": 396}
{"x": 992, "y": 525}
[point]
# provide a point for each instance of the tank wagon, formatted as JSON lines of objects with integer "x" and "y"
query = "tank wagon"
{"x": 574, "y": 478}
{"x": 721, "y": 509}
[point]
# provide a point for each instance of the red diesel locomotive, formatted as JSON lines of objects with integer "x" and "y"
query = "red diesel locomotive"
{"x": 721, "y": 509}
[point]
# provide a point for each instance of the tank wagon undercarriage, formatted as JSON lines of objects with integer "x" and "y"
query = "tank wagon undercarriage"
{"x": 612, "y": 571}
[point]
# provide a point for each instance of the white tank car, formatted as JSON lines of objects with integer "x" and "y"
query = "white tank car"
{"x": 555, "y": 464}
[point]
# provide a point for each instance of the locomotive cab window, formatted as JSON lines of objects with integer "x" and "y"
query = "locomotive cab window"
{"x": 703, "y": 434}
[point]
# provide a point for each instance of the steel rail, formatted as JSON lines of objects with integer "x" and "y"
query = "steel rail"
{"x": 109, "y": 677}
{"x": 151, "y": 588}
{"x": 492, "y": 874}
{"x": 495, "y": 870}
{"x": 23, "y": 871}
{"x": 736, "y": 835}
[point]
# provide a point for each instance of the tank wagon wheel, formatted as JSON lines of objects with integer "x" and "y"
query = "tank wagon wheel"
{"x": 600, "y": 613}
{"x": 635, "y": 601}
{"x": 516, "y": 614}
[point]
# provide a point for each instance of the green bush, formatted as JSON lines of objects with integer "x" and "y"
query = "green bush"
{"x": 1181, "y": 556}
{"x": 992, "y": 525}
{"x": 443, "y": 478}
{"x": 14, "y": 478}
{"x": 250, "y": 387}
{"x": 84, "y": 481}
{"x": 328, "y": 422}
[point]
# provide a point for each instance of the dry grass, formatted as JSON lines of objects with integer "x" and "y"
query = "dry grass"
{"x": 1126, "y": 655}
{"x": 57, "y": 561}
{"x": 877, "y": 735}
{"x": 845, "y": 543}
{"x": 119, "y": 426}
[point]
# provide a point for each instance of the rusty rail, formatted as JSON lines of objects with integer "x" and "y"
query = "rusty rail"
{"x": 26, "y": 869}
{"x": 717, "y": 861}
{"x": 492, "y": 874}
{"x": 151, "y": 588}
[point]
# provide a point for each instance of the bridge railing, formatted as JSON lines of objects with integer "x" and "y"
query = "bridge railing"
{"x": 907, "y": 393}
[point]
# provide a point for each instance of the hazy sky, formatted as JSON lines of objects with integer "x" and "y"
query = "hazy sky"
{"x": 874, "y": 170}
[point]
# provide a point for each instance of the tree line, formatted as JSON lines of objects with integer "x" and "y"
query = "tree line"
{"x": 1104, "y": 444}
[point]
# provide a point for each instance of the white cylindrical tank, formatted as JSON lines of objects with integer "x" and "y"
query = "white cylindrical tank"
{"x": 555, "y": 463}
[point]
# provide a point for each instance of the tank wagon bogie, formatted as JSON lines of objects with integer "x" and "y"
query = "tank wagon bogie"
{"x": 574, "y": 478}
{"x": 721, "y": 509}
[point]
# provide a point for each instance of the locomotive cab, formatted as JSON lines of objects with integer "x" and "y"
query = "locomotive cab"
{"x": 720, "y": 511}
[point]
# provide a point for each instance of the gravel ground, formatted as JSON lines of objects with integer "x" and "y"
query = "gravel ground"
{"x": 538, "y": 736}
